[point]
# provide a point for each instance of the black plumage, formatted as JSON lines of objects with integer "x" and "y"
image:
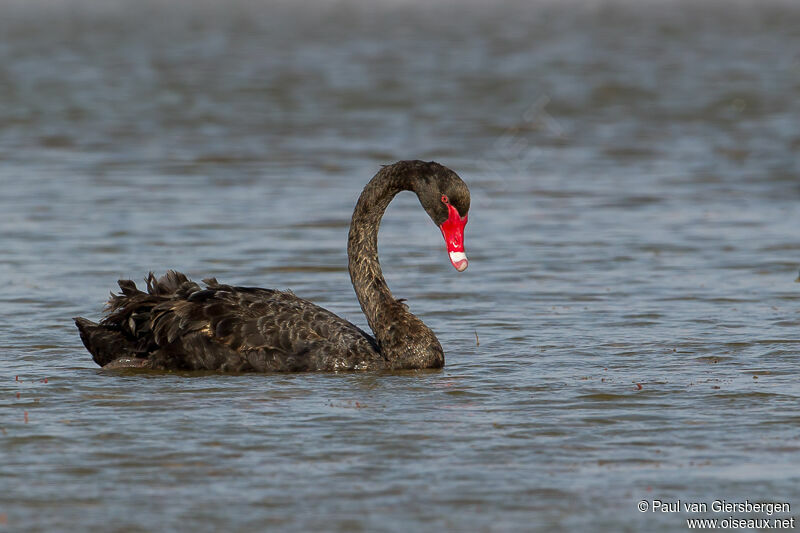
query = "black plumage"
{"x": 177, "y": 324}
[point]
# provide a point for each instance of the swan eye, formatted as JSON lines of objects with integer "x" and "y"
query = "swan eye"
{"x": 444, "y": 199}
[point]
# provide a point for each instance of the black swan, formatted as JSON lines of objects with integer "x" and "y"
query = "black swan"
{"x": 178, "y": 325}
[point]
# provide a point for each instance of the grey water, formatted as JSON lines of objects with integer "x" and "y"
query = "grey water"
{"x": 628, "y": 329}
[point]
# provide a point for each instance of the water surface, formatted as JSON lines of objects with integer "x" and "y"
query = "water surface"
{"x": 628, "y": 327}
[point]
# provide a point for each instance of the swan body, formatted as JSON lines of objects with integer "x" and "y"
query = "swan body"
{"x": 178, "y": 325}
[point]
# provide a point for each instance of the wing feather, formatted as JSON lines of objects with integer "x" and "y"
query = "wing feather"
{"x": 223, "y": 327}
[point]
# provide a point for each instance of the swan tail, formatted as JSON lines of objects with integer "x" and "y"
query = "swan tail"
{"x": 126, "y": 330}
{"x": 104, "y": 343}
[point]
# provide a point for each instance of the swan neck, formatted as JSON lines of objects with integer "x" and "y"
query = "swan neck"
{"x": 362, "y": 249}
{"x": 403, "y": 339}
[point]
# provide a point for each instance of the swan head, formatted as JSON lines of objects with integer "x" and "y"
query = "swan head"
{"x": 445, "y": 197}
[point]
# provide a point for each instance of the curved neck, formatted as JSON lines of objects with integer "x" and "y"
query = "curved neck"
{"x": 397, "y": 330}
{"x": 362, "y": 248}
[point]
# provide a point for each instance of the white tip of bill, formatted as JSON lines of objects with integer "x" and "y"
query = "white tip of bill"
{"x": 459, "y": 260}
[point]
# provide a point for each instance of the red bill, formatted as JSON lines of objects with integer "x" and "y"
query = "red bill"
{"x": 453, "y": 232}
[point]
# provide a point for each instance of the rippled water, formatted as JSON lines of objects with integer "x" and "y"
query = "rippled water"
{"x": 627, "y": 329}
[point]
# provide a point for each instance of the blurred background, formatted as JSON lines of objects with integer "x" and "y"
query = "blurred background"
{"x": 627, "y": 328}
